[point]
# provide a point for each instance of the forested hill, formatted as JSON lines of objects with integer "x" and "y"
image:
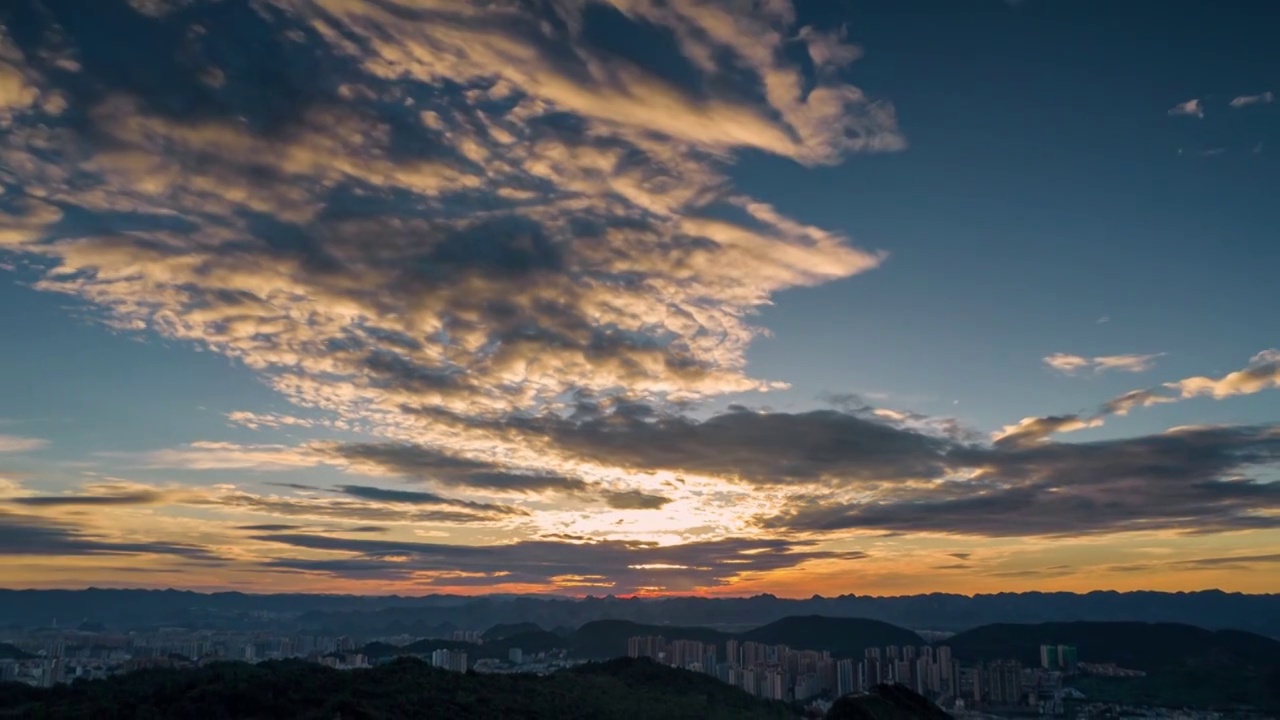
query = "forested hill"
{"x": 407, "y": 688}
{"x": 1138, "y": 645}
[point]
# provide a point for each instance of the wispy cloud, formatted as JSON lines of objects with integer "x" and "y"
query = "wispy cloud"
{"x": 1071, "y": 364}
{"x": 1192, "y": 108}
{"x": 16, "y": 444}
{"x": 1265, "y": 98}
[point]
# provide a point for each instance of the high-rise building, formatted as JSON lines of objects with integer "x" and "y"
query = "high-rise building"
{"x": 733, "y": 653}
{"x": 1067, "y": 659}
{"x": 516, "y": 656}
{"x": 873, "y": 652}
{"x": 845, "y": 674}
{"x": 1004, "y": 683}
{"x": 449, "y": 660}
{"x": 893, "y": 652}
{"x": 1048, "y": 657}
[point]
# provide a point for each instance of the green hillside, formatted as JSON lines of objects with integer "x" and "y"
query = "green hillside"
{"x": 407, "y": 688}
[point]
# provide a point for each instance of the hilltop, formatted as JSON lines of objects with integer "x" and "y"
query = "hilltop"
{"x": 622, "y": 689}
{"x": 886, "y": 702}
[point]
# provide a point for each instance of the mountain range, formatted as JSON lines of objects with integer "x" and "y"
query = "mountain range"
{"x": 440, "y": 614}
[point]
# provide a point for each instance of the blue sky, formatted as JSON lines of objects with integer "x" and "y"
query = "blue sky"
{"x": 495, "y": 258}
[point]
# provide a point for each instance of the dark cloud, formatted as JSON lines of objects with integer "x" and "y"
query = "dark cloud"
{"x": 269, "y": 527}
{"x": 136, "y": 497}
{"x": 29, "y": 535}
{"x": 757, "y": 447}
{"x": 413, "y": 497}
{"x": 1228, "y": 560}
{"x": 621, "y": 566}
{"x": 348, "y": 510}
{"x": 635, "y": 500}
{"x": 422, "y": 463}
{"x": 1191, "y": 480}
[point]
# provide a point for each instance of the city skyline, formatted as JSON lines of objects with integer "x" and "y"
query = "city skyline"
{"x": 638, "y": 297}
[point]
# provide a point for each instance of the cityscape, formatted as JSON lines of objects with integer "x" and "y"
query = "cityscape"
{"x": 806, "y": 679}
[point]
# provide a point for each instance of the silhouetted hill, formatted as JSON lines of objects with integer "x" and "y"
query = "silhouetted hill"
{"x": 9, "y": 652}
{"x": 503, "y": 630}
{"x": 406, "y": 688}
{"x": 845, "y": 637}
{"x": 1139, "y": 645}
{"x": 885, "y": 702}
{"x": 605, "y": 639}
{"x": 418, "y": 647}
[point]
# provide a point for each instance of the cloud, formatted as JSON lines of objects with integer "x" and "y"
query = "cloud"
{"x": 755, "y": 447}
{"x": 1194, "y": 480}
{"x": 1032, "y": 430}
{"x": 1071, "y": 364}
{"x": 1241, "y": 101}
{"x": 536, "y": 214}
{"x": 1262, "y": 373}
{"x": 1122, "y": 404}
{"x": 126, "y": 497}
{"x": 1211, "y": 562}
{"x": 15, "y": 444}
{"x": 619, "y": 566}
{"x": 412, "y": 497}
{"x": 27, "y": 535}
{"x": 635, "y": 500}
{"x": 422, "y": 463}
{"x": 1192, "y": 107}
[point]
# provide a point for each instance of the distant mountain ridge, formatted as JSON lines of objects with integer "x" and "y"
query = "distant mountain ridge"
{"x": 123, "y": 609}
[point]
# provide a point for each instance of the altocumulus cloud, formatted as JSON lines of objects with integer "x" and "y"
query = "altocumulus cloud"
{"x": 536, "y": 214}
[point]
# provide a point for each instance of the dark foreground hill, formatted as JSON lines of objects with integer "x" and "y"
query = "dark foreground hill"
{"x": 885, "y": 702}
{"x": 406, "y": 688}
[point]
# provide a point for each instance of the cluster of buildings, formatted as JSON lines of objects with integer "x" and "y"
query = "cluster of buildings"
{"x": 56, "y": 655}
{"x": 778, "y": 672}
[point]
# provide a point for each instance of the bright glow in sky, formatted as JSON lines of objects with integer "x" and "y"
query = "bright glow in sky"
{"x": 634, "y": 296}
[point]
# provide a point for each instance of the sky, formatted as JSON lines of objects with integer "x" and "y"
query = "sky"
{"x": 639, "y": 297}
